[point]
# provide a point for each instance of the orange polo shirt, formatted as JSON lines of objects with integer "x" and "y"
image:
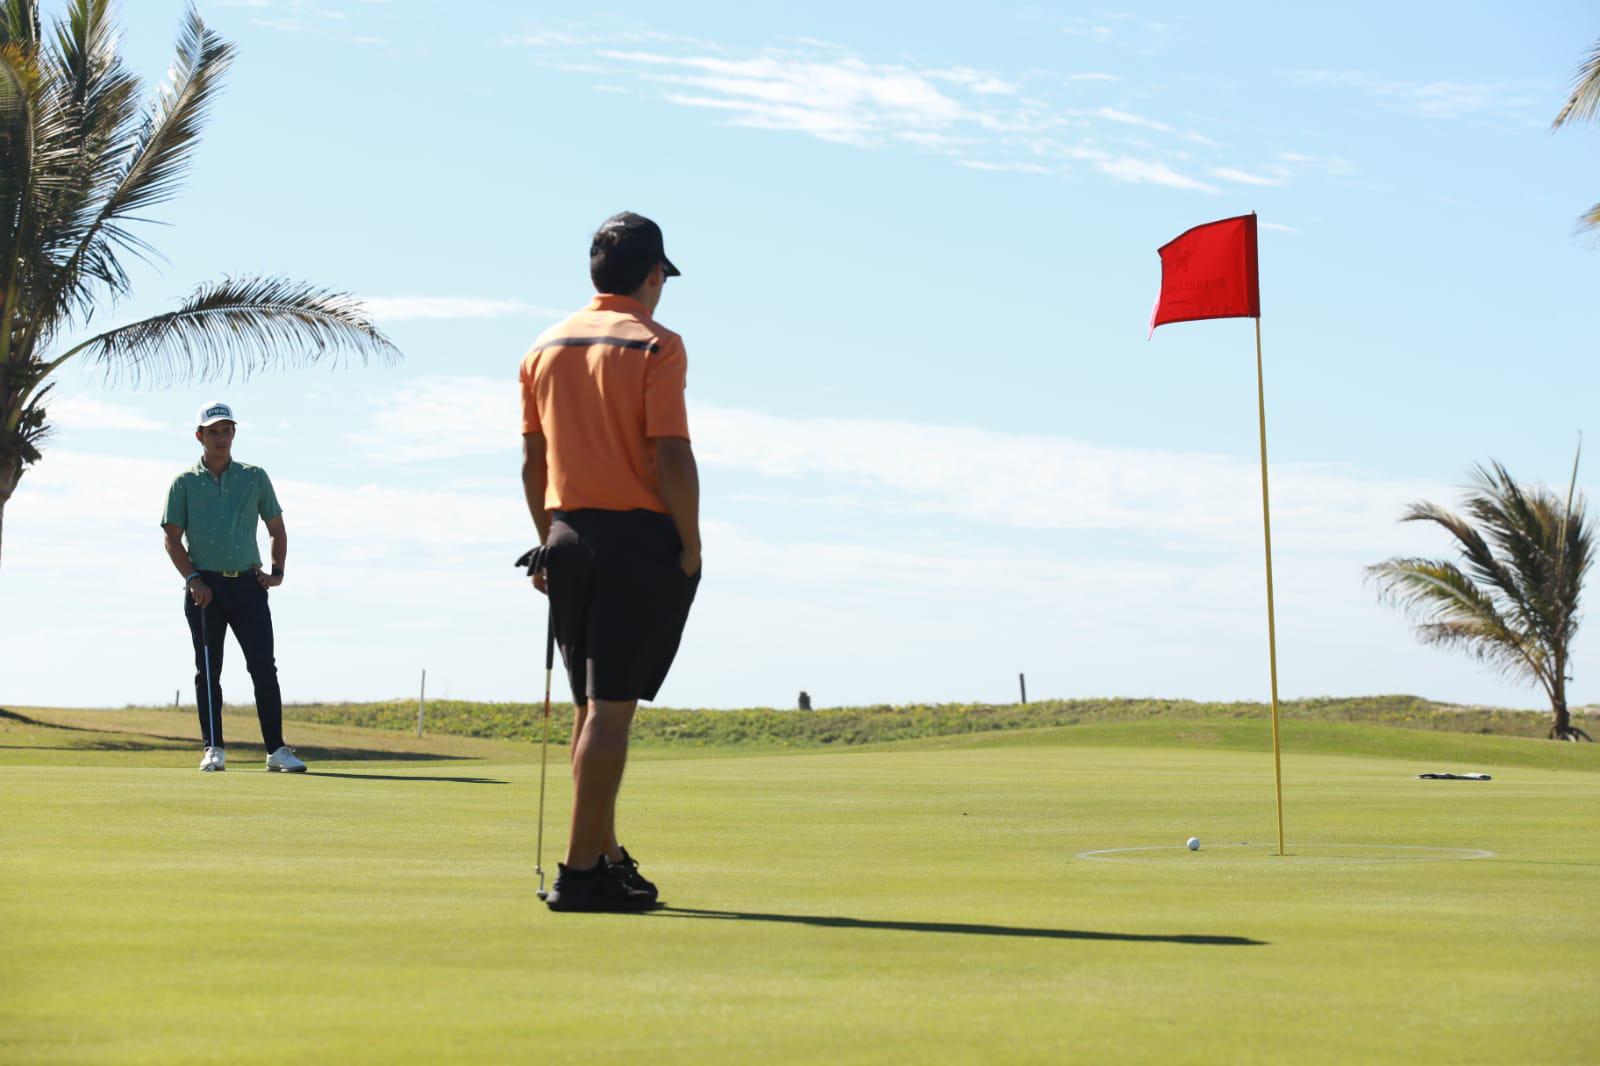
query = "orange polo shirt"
{"x": 600, "y": 386}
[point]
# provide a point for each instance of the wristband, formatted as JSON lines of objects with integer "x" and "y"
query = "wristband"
{"x": 190, "y": 578}
{"x": 277, "y": 571}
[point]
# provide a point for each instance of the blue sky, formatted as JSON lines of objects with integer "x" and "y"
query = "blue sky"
{"x": 919, "y": 257}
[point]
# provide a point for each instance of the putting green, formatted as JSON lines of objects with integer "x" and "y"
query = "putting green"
{"x": 981, "y": 903}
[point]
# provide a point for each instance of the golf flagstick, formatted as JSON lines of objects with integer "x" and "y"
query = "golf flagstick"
{"x": 1213, "y": 271}
{"x": 544, "y": 745}
{"x": 1272, "y": 622}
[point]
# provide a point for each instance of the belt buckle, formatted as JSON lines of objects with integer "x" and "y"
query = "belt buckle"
{"x": 230, "y": 573}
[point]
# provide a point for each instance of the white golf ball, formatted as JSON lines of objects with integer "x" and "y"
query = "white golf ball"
{"x": 1194, "y": 843}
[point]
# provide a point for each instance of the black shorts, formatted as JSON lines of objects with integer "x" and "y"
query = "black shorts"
{"x": 619, "y": 600}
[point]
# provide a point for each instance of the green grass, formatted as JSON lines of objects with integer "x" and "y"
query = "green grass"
{"x": 919, "y": 900}
{"x": 846, "y": 726}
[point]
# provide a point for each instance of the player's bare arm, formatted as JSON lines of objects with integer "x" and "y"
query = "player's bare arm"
{"x": 680, "y": 491}
{"x": 173, "y": 539}
{"x": 280, "y": 553}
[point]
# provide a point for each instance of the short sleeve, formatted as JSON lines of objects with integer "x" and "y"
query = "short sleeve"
{"x": 269, "y": 506}
{"x": 665, "y": 377}
{"x": 176, "y": 512}
{"x": 530, "y": 401}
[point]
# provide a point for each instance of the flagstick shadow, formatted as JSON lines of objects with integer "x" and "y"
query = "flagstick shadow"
{"x": 407, "y": 777}
{"x": 965, "y": 928}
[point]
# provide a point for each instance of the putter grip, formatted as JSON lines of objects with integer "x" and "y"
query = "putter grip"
{"x": 550, "y": 642}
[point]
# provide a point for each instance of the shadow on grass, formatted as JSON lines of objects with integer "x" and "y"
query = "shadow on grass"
{"x": 22, "y": 719}
{"x": 407, "y": 777}
{"x": 971, "y": 929}
{"x": 122, "y": 740}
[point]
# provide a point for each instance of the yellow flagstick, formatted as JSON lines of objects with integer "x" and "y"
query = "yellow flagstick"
{"x": 1272, "y": 623}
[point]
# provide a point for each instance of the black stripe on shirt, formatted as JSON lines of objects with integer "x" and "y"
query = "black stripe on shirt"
{"x": 584, "y": 342}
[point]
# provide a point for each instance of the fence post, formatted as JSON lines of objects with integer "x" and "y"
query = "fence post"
{"x": 1022, "y": 682}
{"x": 421, "y": 696}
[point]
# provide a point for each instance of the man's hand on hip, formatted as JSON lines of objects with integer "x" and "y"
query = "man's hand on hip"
{"x": 269, "y": 581}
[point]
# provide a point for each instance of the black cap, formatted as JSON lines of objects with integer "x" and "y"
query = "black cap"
{"x": 636, "y": 235}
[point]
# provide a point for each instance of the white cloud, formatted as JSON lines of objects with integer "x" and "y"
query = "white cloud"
{"x": 1439, "y": 99}
{"x": 1017, "y": 168}
{"x": 1081, "y": 28}
{"x": 84, "y": 412}
{"x": 1279, "y": 227}
{"x": 1170, "y": 603}
{"x": 1142, "y": 171}
{"x": 1111, "y": 114}
{"x": 399, "y": 308}
{"x": 978, "y": 81}
{"x": 844, "y": 100}
{"x": 440, "y": 418}
{"x": 1029, "y": 481}
{"x": 976, "y": 118}
{"x": 547, "y": 39}
{"x": 1048, "y": 482}
{"x": 1243, "y": 177}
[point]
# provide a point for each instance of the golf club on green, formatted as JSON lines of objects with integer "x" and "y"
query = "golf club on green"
{"x": 211, "y": 704}
{"x": 544, "y": 744}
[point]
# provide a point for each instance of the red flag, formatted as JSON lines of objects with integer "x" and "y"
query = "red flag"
{"x": 1210, "y": 271}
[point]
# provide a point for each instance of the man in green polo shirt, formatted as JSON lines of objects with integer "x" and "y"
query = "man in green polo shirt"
{"x": 210, "y": 524}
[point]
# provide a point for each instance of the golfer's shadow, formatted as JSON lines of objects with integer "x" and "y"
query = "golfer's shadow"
{"x": 968, "y": 928}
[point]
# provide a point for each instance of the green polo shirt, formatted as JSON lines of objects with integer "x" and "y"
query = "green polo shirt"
{"x": 218, "y": 515}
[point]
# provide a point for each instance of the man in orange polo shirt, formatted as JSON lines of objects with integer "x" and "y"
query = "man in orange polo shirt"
{"x": 613, "y": 489}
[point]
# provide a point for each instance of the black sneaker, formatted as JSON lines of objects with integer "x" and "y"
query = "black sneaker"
{"x": 627, "y": 871}
{"x": 593, "y": 890}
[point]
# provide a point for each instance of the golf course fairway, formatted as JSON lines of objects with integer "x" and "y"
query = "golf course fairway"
{"x": 1008, "y": 898}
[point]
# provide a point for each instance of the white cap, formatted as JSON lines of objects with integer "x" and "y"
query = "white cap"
{"x": 215, "y": 411}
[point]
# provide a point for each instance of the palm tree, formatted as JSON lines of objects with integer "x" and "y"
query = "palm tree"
{"x": 80, "y": 163}
{"x": 1584, "y": 105}
{"x": 1512, "y": 602}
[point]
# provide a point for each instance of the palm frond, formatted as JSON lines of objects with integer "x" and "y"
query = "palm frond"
{"x": 35, "y": 167}
{"x": 97, "y": 93}
{"x": 18, "y": 75}
{"x": 19, "y": 23}
{"x": 169, "y": 134}
{"x": 1577, "y": 562}
{"x": 1475, "y": 552}
{"x": 1525, "y": 524}
{"x": 235, "y": 327}
{"x": 1590, "y": 219}
{"x": 93, "y": 78}
{"x": 1447, "y": 608}
{"x": 1584, "y": 103}
{"x": 154, "y": 163}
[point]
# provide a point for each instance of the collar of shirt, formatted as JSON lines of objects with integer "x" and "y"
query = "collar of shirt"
{"x": 627, "y": 305}
{"x": 200, "y": 468}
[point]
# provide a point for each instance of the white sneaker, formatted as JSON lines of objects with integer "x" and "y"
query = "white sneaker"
{"x": 283, "y": 761}
{"x": 212, "y": 761}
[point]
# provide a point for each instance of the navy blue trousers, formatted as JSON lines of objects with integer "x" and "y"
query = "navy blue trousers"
{"x": 237, "y": 603}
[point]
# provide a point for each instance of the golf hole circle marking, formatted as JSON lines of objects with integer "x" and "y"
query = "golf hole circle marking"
{"x": 1304, "y": 853}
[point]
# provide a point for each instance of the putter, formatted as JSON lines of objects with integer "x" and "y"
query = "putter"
{"x": 211, "y": 706}
{"x": 544, "y": 745}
